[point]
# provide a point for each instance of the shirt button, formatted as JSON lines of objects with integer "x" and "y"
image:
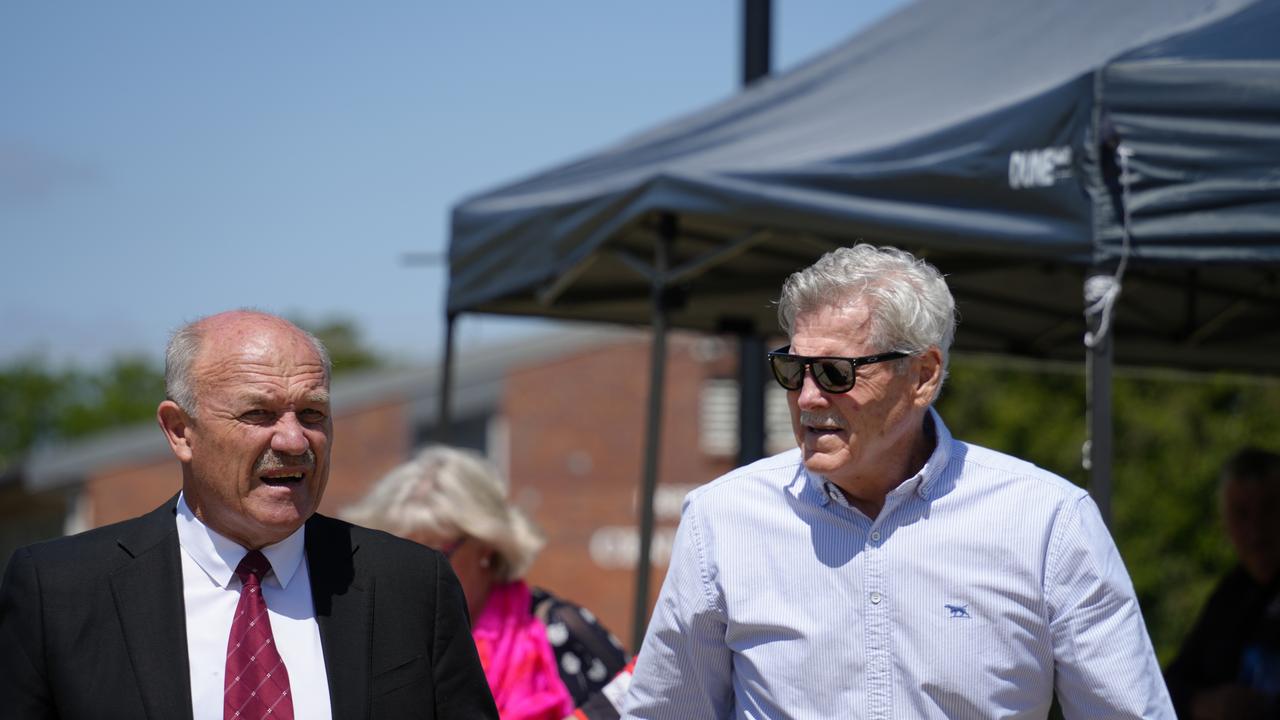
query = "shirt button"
{"x": 875, "y": 598}
{"x": 876, "y": 536}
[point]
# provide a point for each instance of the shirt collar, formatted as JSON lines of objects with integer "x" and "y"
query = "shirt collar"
{"x": 936, "y": 465}
{"x": 922, "y": 483}
{"x": 219, "y": 555}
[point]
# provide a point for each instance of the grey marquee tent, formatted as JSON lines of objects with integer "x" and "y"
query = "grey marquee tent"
{"x": 1071, "y": 165}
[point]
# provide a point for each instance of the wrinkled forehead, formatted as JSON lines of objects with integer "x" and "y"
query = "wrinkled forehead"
{"x": 264, "y": 352}
{"x": 853, "y": 316}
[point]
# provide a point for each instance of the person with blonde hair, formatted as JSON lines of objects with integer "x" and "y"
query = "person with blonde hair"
{"x": 542, "y": 655}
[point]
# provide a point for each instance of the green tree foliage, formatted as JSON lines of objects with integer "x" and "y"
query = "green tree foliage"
{"x": 1171, "y": 439}
{"x": 346, "y": 346}
{"x": 39, "y": 403}
{"x": 1171, "y": 434}
{"x": 29, "y": 396}
{"x": 124, "y": 392}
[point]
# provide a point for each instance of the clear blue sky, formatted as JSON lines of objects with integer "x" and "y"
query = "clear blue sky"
{"x": 160, "y": 161}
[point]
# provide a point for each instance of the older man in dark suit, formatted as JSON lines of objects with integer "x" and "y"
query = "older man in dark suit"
{"x": 235, "y": 599}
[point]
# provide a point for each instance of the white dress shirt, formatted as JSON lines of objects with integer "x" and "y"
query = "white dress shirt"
{"x": 984, "y": 585}
{"x": 212, "y": 590}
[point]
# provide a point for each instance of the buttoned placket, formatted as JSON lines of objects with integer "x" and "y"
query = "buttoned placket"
{"x": 878, "y": 608}
{"x": 877, "y": 601}
{"x": 879, "y": 674}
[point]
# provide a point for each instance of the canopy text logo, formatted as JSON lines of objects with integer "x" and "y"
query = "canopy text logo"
{"x": 1041, "y": 167}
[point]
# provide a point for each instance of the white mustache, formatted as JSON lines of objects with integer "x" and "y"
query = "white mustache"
{"x": 816, "y": 418}
{"x": 271, "y": 460}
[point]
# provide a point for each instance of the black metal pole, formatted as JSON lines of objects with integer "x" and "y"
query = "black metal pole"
{"x": 653, "y": 428}
{"x": 757, "y": 32}
{"x": 751, "y": 384}
{"x": 444, "y": 424}
{"x": 757, "y": 36}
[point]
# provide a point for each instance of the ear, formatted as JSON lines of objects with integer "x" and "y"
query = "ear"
{"x": 928, "y": 376}
{"x": 176, "y": 426}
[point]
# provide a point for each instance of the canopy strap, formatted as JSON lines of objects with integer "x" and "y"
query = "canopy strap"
{"x": 1102, "y": 291}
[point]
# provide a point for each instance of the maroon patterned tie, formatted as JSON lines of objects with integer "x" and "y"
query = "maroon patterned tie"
{"x": 257, "y": 684}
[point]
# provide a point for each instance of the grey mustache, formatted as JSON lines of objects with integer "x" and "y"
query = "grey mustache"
{"x": 272, "y": 460}
{"x": 812, "y": 417}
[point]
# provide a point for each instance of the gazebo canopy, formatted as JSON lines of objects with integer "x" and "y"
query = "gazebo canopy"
{"x": 1069, "y": 164}
{"x": 981, "y": 135}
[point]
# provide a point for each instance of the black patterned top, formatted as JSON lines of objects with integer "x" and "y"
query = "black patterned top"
{"x": 587, "y": 655}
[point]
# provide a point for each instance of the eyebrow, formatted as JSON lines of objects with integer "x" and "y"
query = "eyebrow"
{"x": 320, "y": 397}
{"x": 316, "y": 397}
{"x": 254, "y": 398}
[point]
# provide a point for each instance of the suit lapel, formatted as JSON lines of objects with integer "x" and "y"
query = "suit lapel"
{"x": 344, "y": 611}
{"x": 148, "y": 595}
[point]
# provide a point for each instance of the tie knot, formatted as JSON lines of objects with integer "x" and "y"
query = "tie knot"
{"x": 254, "y": 565}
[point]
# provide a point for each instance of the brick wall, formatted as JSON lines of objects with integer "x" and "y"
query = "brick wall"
{"x": 121, "y": 492}
{"x": 367, "y": 443}
{"x": 576, "y": 463}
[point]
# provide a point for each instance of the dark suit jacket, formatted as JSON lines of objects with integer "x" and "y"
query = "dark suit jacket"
{"x": 93, "y": 626}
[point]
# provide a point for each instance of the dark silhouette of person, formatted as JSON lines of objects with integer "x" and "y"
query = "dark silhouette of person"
{"x": 1229, "y": 665}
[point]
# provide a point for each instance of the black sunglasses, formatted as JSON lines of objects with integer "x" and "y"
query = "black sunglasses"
{"x": 833, "y": 374}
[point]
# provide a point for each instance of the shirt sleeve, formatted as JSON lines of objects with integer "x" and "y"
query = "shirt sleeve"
{"x": 684, "y": 669}
{"x": 1104, "y": 664}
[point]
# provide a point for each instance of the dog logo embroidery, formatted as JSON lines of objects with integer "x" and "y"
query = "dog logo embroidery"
{"x": 958, "y": 611}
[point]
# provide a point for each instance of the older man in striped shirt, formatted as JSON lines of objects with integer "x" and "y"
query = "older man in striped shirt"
{"x": 883, "y": 569}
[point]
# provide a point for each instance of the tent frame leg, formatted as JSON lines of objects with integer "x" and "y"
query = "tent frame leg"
{"x": 751, "y": 380}
{"x": 653, "y": 429}
{"x": 1099, "y": 358}
{"x": 444, "y": 419}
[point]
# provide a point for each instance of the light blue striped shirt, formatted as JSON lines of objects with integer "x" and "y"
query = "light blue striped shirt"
{"x": 984, "y": 584}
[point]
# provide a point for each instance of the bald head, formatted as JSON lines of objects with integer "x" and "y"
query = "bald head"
{"x": 254, "y": 447}
{"x": 187, "y": 343}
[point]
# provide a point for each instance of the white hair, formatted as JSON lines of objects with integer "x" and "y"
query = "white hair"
{"x": 447, "y": 491}
{"x": 911, "y": 306}
{"x": 184, "y": 347}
